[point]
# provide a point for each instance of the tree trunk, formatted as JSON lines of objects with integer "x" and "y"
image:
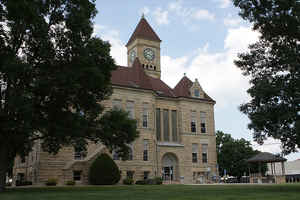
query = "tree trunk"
{"x": 3, "y": 165}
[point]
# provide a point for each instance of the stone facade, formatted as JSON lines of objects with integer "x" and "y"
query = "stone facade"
{"x": 177, "y": 135}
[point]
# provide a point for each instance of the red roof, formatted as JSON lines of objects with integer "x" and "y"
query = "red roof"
{"x": 182, "y": 89}
{"x": 143, "y": 30}
{"x": 135, "y": 77}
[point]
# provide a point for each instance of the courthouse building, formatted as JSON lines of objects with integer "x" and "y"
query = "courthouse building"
{"x": 177, "y": 132}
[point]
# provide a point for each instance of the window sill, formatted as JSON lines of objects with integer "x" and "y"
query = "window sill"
{"x": 169, "y": 144}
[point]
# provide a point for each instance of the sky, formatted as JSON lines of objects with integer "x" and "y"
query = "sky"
{"x": 199, "y": 38}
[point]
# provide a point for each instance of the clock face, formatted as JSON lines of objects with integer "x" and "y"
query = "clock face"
{"x": 132, "y": 55}
{"x": 149, "y": 54}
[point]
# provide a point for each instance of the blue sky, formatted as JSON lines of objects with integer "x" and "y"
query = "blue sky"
{"x": 199, "y": 38}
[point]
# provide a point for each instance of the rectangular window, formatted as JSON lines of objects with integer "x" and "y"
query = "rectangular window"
{"x": 117, "y": 104}
{"x": 194, "y": 153}
{"x": 145, "y": 153}
{"x": 193, "y": 122}
{"x": 203, "y": 122}
{"x": 174, "y": 125}
{"x": 79, "y": 154}
{"x": 158, "y": 127}
{"x": 166, "y": 125}
{"x": 130, "y": 109}
{"x": 129, "y": 174}
{"x": 197, "y": 93}
{"x": 76, "y": 175}
{"x": 145, "y": 115}
{"x": 204, "y": 153}
{"x": 146, "y": 175}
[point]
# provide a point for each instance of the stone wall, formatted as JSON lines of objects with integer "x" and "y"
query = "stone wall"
{"x": 62, "y": 165}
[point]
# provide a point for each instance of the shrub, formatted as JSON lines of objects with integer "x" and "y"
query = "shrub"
{"x": 51, "y": 182}
{"x": 23, "y": 183}
{"x": 158, "y": 180}
{"x": 150, "y": 181}
{"x": 104, "y": 171}
{"x": 140, "y": 182}
{"x": 70, "y": 183}
{"x": 128, "y": 181}
{"x": 7, "y": 184}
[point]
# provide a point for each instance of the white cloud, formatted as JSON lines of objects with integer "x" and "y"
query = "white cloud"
{"x": 238, "y": 39}
{"x": 173, "y": 69}
{"x": 177, "y": 11}
{"x": 223, "y": 3}
{"x": 189, "y": 13}
{"x": 216, "y": 72}
{"x": 118, "y": 49}
{"x": 232, "y": 22}
{"x": 270, "y": 145}
{"x": 145, "y": 10}
{"x": 203, "y": 14}
{"x": 161, "y": 17}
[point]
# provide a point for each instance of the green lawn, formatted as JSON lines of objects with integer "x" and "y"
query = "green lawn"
{"x": 160, "y": 192}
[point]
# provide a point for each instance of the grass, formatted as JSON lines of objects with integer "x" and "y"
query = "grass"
{"x": 159, "y": 192}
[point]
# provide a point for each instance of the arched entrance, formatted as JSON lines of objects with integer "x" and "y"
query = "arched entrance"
{"x": 169, "y": 167}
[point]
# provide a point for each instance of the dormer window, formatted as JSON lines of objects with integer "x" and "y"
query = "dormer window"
{"x": 197, "y": 93}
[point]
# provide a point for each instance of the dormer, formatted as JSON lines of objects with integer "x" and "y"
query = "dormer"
{"x": 196, "y": 90}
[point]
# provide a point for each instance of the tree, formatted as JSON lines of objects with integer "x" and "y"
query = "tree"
{"x": 273, "y": 65}
{"x": 104, "y": 171}
{"x": 233, "y": 154}
{"x": 54, "y": 75}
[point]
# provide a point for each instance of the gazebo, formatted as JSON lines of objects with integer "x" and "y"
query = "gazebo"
{"x": 266, "y": 157}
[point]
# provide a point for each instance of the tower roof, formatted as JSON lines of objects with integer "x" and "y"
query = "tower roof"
{"x": 143, "y": 30}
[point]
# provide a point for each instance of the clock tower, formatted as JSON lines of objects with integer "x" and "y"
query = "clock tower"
{"x": 145, "y": 45}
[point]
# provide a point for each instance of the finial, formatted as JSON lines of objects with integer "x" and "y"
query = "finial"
{"x": 143, "y": 15}
{"x": 184, "y": 74}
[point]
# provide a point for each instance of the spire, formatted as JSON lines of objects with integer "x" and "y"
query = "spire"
{"x": 143, "y": 30}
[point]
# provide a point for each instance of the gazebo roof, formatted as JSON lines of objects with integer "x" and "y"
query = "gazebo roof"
{"x": 266, "y": 157}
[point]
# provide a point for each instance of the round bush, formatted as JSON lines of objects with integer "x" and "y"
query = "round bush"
{"x": 128, "y": 181}
{"x": 51, "y": 182}
{"x": 104, "y": 171}
{"x": 70, "y": 183}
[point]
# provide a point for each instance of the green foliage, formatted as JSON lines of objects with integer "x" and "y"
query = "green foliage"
{"x": 23, "y": 183}
{"x": 153, "y": 192}
{"x": 51, "y": 182}
{"x": 232, "y": 155}
{"x": 104, "y": 171}
{"x": 55, "y": 75}
{"x": 128, "y": 181}
{"x": 150, "y": 181}
{"x": 70, "y": 183}
{"x": 140, "y": 182}
{"x": 158, "y": 180}
{"x": 273, "y": 66}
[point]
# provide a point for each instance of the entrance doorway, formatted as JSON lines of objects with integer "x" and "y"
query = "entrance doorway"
{"x": 168, "y": 173}
{"x": 169, "y": 167}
